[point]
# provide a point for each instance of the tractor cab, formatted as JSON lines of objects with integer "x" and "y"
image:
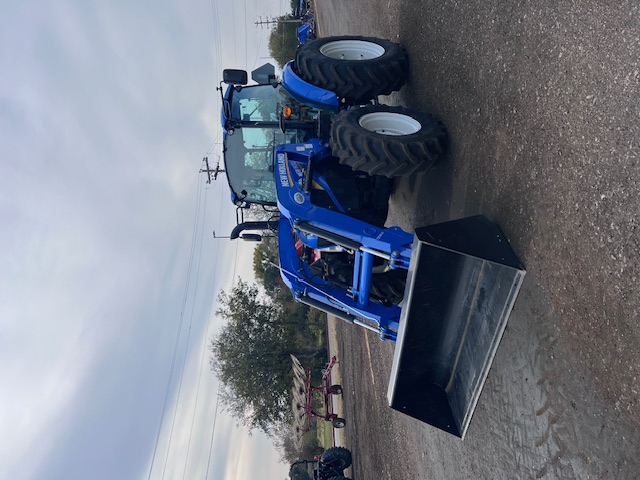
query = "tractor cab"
{"x": 257, "y": 118}
{"x": 303, "y": 470}
{"x": 330, "y": 465}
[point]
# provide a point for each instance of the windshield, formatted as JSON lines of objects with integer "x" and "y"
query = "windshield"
{"x": 249, "y": 163}
{"x": 257, "y": 103}
{"x": 250, "y": 145}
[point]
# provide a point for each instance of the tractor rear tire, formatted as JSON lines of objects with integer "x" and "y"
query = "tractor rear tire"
{"x": 388, "y": 141}
{"x": 337, "y": 457}
{"x": 357, "y": 69}
{"x": 375, "y": 208}
{"x": 389, "y": 286}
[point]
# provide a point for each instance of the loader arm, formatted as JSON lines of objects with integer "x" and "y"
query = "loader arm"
{"x": 463, "y": 279}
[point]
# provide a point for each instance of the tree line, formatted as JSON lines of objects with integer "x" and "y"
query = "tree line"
{"x": 251, "y": 354}
{"x": 283, "y": 40}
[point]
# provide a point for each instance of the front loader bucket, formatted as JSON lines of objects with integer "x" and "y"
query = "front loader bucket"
{"x": 462, "y": 282}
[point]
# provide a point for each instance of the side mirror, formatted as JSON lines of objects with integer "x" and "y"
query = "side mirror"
{"x": 234, "y": 77}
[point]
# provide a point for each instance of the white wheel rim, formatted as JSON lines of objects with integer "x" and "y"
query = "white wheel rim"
{"x": 352, "y": 50}
{"x": 390, "y": 123}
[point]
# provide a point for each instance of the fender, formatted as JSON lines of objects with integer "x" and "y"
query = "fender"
{"x": 307, "y": 93}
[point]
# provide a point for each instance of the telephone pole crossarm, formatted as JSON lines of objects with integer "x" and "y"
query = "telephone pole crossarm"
{"x": 209, "y": 170}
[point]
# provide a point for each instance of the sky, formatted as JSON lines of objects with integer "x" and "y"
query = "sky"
{"x": 108, "y": 270}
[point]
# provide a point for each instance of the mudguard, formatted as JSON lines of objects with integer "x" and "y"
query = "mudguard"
{"x": 307, "y": 93}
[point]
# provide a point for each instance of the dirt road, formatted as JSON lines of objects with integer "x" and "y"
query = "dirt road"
{"x": 542, "y": 102}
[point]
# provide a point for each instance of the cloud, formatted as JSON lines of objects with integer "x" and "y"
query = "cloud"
{"x": 98, "y": 170}
{"x": 105, "y": 109}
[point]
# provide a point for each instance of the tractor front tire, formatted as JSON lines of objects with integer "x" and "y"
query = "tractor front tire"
{"x": 389, "y": 286}
{"x": 357, "y": 69}
{"x": 337, "y": 457}
{"x": 388, "y": 141}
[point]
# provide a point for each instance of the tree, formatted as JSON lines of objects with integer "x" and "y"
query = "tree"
{"x": 283, "y": 41}
{"x": 251, "y": 356}
{"x": 265, "y": 261}
{"x": 285, "y": 444}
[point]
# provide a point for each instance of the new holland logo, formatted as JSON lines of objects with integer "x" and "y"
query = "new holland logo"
{"x": 282, "y": 170}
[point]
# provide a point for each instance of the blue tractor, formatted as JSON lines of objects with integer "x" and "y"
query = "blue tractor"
{"x": 305, "y": 32}
{"x": 331, "y": 465}
{"x": 317, "y": 147}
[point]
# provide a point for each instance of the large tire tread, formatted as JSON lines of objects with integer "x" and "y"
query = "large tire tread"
{"x": 356, "y": 81}
{"x": 387, "y": 155}
{"x": 390, "y": 285}
{"x": 341, "y": 454}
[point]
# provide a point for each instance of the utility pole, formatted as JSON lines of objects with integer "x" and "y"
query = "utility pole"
{"x": 209, "y": 171}
{"x": 272, "y": 22}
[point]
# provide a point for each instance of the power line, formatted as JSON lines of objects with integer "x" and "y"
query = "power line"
{"x": 186, "y": 348}
{"x": 204, "y": 345}
{"x": 202, "y": 356}
{"x": 178, "y": 334}
{"x": 215, "y": 416}
{"x": 213, "y": 430}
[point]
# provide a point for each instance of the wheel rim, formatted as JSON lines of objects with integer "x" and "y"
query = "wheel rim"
{"x": 352, "y": 50}
{"x": 390, "y": 123}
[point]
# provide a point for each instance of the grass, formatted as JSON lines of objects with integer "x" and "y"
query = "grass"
{"x": 325, "y": 434}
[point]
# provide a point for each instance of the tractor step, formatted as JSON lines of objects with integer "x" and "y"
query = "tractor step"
{"x": 462, "y": 283}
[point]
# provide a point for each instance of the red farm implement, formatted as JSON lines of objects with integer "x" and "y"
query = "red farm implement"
{"x": 305, "y": 395}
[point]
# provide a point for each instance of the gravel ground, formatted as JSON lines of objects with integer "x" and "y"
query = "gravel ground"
{"x": 541, "y": 100}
